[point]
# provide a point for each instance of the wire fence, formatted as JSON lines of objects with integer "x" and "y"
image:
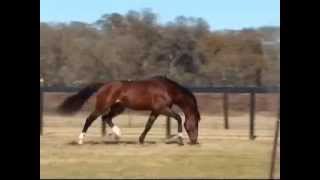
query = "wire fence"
{"x": 226, "y": 96}
{"x": 225, "y": 90}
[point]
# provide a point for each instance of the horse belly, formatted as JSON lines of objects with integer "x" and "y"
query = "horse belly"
{"x": 142, "y": 102}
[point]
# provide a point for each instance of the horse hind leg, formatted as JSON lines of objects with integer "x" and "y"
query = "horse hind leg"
{"x": 153, "y": 116}
{"x": 92, "y": 117}
{"x": 102, "y": 105}
{"x": 115, "y": 110}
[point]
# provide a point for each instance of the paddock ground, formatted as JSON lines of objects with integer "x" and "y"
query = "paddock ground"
{"x": 220, "y": 154}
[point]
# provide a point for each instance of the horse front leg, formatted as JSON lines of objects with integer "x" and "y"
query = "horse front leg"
{"x": 170, "y": 113}
{"x": 153, "y": 116}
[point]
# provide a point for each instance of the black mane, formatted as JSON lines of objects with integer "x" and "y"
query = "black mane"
{"x": 183, "y": 89}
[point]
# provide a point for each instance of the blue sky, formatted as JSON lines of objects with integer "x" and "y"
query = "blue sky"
{"x": 220, "y": 14}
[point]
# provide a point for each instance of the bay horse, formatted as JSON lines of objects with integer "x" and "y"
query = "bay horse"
{"x": 156, "y": 94}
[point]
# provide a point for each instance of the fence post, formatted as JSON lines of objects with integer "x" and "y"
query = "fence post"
{"x": 41, "y": 106}
{"x": 259, "y": 77}
{"x": 103, "y": 128}
{"x": 274, "y": 150}
{"x": 252, "y": 114}
{"x": 129, "y": 119}
{"x": 225, "y": 110}
{"x": 168, "y": 127}
{"x": 275, "y": 145}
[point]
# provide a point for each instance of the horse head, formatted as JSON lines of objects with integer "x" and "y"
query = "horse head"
{"x": 191, "y": 126}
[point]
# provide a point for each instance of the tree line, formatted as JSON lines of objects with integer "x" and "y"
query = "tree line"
{"x": 135, "y": 46}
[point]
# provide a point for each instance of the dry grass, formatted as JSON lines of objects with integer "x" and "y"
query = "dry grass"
{"x": 221, "y": 154}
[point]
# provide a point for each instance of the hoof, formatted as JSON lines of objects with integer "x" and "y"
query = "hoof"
{"x": 113, "y": 137}
{"x": 141, "y": 141}
{"x": 175, "y": 140}
{"x": 193, "y": 143}
{"x": 253, "y": 137}
{"x": 117, "y": 138}
{"x": 180, "y": 141}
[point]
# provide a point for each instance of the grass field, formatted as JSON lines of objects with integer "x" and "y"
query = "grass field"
{"x": 220, "y": 154}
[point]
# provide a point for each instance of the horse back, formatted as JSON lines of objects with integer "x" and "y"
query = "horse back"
{"x": 145, "y": 94}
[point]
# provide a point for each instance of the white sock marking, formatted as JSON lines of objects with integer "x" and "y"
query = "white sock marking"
{"x": 180, "y": 135}
{"x": 81, "y": 137}
{"x": 116, "y": 131}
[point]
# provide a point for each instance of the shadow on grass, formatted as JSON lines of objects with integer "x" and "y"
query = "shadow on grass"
{"x": 110, "y": 142}
{"x": 170, "y": 140}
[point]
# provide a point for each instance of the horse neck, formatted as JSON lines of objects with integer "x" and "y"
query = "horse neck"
{"x": 187, "y": 105}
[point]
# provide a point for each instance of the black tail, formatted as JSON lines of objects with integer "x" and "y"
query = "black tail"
{"x": 74, "y": 103}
